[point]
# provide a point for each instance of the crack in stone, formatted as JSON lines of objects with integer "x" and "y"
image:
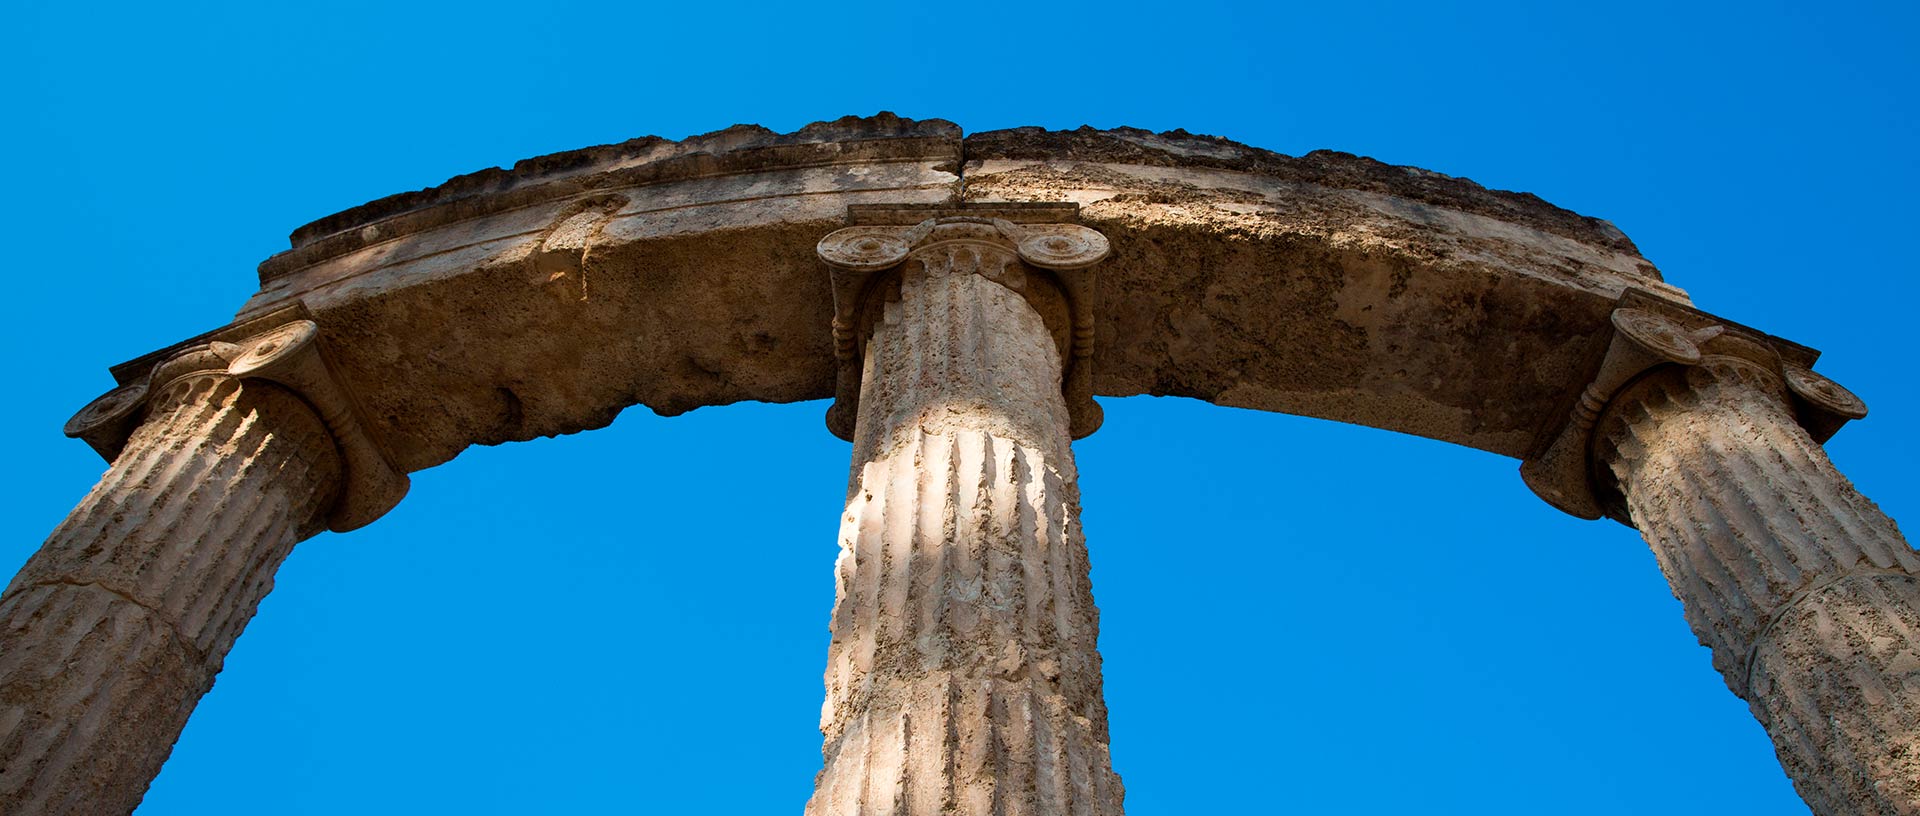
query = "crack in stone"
{"x": 1801, "y": 597}
{"x": 172, "y": 625}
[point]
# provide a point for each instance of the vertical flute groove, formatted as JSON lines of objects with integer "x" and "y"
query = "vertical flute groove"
{"x": 1805, "y": 591}
{"x": 115, "y": 628}
{"x": 962, "y": 677}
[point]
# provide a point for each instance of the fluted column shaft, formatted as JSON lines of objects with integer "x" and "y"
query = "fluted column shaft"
{"x": 963, "y": 676}
{"x": 115, "y": 628}
{"x": 1803, "y": 589}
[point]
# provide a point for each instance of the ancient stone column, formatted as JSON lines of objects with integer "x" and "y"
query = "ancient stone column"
{"x": 1702, "y": 435}
{"x": 1804, "y": 590}
{"x": 963, "y": 676}
{"x": 115, "y": 628}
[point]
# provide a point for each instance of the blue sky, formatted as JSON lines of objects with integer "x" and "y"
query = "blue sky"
{"x": 1299, "y": 616}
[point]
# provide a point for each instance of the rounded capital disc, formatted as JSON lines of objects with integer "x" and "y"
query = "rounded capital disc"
{"x": 272, "y": 346}
{"x": 1657, "y": 334}
{"x": 107, "y": 409}
{"x": 1826, "y": 393}
{"x": 1062, "y": 246}
{"x": 863, "y": 249}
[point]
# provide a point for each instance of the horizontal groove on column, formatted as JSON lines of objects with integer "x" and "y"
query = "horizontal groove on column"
{"x": 1846, "y": 660}
{"x": 1804, "y": 590}
{"x": 1742, "y": 509}
{"x": 61, "y": 701}
{"x": 166, "y": 525}
{"x": 121, "y": 621}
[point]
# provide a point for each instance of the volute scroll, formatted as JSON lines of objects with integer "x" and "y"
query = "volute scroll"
{"x": 106, "y": 422}
{"x": 864, "y": 249}
{"x": 1059, "y": 246}
{"x": 1656, "y": 335}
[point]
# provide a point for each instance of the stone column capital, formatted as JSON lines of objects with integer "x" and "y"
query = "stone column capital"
{"x": 1656, "y": 339}
{"x": 1046, "y": 262}
{"x": 288, "y": 355}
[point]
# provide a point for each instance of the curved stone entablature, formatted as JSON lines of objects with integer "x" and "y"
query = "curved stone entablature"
{"x": 963, "y": 299}
{"x": 541, "y": 300}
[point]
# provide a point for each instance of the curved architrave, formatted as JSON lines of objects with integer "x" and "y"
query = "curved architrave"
{"x": 543, "y": 300}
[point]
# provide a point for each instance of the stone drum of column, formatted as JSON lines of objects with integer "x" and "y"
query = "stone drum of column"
{"x": 1803, "y": 588}
{"x": 117, "y": 626}
{"x": 963, "y": 676}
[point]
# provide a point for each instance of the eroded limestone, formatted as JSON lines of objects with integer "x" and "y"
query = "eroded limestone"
{"x": 115, "y": 628}
{"x": 963, "y": 676}
{"x": 1806, "y": 592}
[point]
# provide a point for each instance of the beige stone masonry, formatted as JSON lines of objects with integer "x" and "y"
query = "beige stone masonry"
{"x": 963, "y": 676}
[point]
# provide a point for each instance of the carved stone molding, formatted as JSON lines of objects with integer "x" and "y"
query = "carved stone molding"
{"x": 290, "y": 355}
{"x": 1039, "y": 257}
{"x": 1824, "y": 405}
{"x": 1652, "y": 334}
{"x": 287, "y": 354}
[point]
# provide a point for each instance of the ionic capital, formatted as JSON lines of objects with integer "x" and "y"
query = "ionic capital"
{"x": 1657, "y": 340}
{"x": 1047, "y": 263}
{"x": 288, "y": 355}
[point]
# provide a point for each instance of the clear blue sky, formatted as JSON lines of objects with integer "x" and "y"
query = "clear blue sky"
{"x": 1299, "y": 617}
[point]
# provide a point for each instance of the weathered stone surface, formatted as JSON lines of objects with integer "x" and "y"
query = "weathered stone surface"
{"x": 1803, "y": 589}
{"x": 115, "y": 628}
{"x": 1651, "y": 333}
{"x": 963, "y": 676}
{"x": 544, "y": 299}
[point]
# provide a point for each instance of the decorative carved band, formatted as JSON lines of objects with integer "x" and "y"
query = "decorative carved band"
{"x": 288, "y": 355}
{"x": 1058, "y": 254}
